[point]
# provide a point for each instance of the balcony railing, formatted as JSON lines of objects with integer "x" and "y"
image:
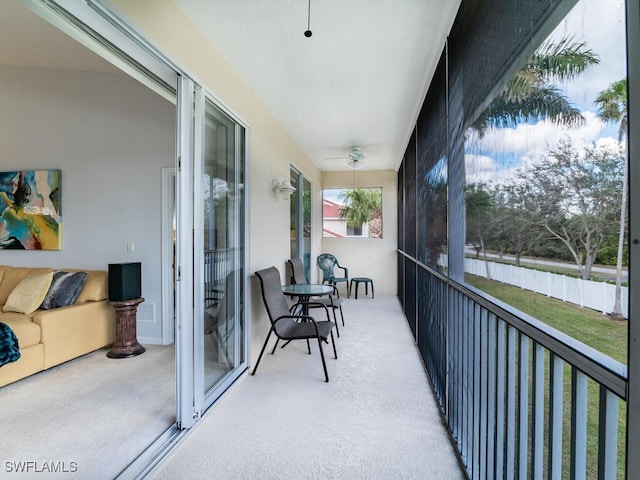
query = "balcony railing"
{"x": 217, "y": 265}
{"x": 521, "y": 399}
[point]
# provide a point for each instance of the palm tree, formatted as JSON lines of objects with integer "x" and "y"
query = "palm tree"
{"x": 612, "y": 107}
{"x": 530, "y": 95}
{"x": 363, "y": 205}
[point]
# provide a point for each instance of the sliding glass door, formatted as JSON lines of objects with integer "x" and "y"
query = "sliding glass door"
{"x": 211, "y": 237}
{"x": 208, "y": 257}
{"x": 221, "y": 207}
{"x": 301, "y": 219}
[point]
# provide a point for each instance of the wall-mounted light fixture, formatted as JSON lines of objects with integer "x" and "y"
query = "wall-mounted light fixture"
{"x": 283, "y": 186}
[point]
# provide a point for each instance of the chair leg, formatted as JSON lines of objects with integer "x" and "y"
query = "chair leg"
{"x": 335, "y": 320}
{"x": 262, "y": 351}
{"x": 276, "y": 346}
{"x": 324, "y": 364}
{"x": 335, "y": 354}
{"x": 341, "y": 315}
{"x": 308, "y": 347}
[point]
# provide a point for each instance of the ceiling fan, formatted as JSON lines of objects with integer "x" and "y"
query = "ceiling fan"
{"x": 354, "y": 157}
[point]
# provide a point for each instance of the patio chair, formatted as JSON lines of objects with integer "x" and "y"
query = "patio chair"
{"x": 327, "y": 263}
{"x": 332, "y": 301}
{"x": 285, "y": 324}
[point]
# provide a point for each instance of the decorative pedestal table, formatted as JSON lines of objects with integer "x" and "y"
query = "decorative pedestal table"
{"x": 126, "y": 335}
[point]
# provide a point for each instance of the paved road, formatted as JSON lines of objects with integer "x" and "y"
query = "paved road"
{"x": 598, "y": 272}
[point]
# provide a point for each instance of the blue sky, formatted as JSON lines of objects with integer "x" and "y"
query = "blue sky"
{"x": 332, "y": 194}
{"x": 599, "y": 23}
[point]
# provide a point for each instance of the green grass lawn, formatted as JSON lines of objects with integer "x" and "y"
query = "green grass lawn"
{"x": 588, "y": 326}
{"x": 591, "y": 328}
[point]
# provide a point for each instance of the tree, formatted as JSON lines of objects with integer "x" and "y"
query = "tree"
{"x": 612, "y": 107}
{"x": 509, "y": 219}
{"x": 530, "y": 95}
{"x": 478, "y": 205}
{"x": 573, "y": 196}
{"x": 432, "y": 229}
{"x": 363, "y": 205}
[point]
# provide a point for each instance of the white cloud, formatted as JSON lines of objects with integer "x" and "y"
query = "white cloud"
{"x": 480, "y": 168}
{"x": 533, "y": 140}
{"x": 609, "y": 143}
{"x": 502, "y": 151}
{"x": 601, "y": 25}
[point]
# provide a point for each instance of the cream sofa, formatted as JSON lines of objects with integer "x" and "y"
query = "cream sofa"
{"x": 50, "y": 337}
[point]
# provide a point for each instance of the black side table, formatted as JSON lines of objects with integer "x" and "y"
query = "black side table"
{"x": 126, "y": 344}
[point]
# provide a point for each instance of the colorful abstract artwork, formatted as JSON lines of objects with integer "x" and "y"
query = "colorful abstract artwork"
{"x": 30, "y": 210}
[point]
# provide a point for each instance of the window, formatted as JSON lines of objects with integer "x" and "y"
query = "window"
{"x": 352, "y": 212}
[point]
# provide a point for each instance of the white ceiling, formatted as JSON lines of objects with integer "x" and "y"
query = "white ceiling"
{"x": 27, "y": 40}
{"x": 357, "y": 81}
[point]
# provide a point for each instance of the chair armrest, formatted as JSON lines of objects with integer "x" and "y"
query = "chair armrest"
{"x": 295, "y": 317}
{"x": 300, "y": 304}
{"x": 318, "y": 304}
{"x": 346, "y": 270}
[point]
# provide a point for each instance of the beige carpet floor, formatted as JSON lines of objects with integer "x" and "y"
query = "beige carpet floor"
{"x": 91, "y": 416}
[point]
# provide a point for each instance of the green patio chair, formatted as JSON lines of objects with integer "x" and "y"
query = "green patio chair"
{"x": 327, "y": 263}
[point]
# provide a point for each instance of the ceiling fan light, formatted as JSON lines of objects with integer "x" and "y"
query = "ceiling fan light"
{"x": 355, "y": 164}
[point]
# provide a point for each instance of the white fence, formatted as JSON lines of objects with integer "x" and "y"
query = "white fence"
{"x": 598, "y": 296}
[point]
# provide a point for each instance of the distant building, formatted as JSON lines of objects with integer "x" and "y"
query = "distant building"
{"x": 335, "y": 226}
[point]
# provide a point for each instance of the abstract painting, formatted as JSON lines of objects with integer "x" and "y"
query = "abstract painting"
{"x": 30, "y": 210}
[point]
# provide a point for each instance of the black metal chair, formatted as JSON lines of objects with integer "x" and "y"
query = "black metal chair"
{"x": 334, "y": 302}
{"x": 286, "y": 325}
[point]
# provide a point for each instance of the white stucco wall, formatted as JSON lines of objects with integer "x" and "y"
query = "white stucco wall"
{"x": 369, "y": 257}
{"x": 271, "y": 150}
{"x": 111, "y": 137}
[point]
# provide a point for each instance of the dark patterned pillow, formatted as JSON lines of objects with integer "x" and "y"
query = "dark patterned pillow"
{"x": 65, "y": 289}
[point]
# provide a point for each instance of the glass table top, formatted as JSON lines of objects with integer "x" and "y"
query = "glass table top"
{"x": 307, "y": 289}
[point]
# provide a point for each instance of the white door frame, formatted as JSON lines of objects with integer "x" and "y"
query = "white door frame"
{"x": 168, "y": 254}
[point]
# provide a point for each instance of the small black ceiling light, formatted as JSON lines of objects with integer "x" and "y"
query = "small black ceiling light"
{"x": 308, "y": 32}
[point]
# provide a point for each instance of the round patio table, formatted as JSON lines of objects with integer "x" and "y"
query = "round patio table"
{"x": 304, "y": 291}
